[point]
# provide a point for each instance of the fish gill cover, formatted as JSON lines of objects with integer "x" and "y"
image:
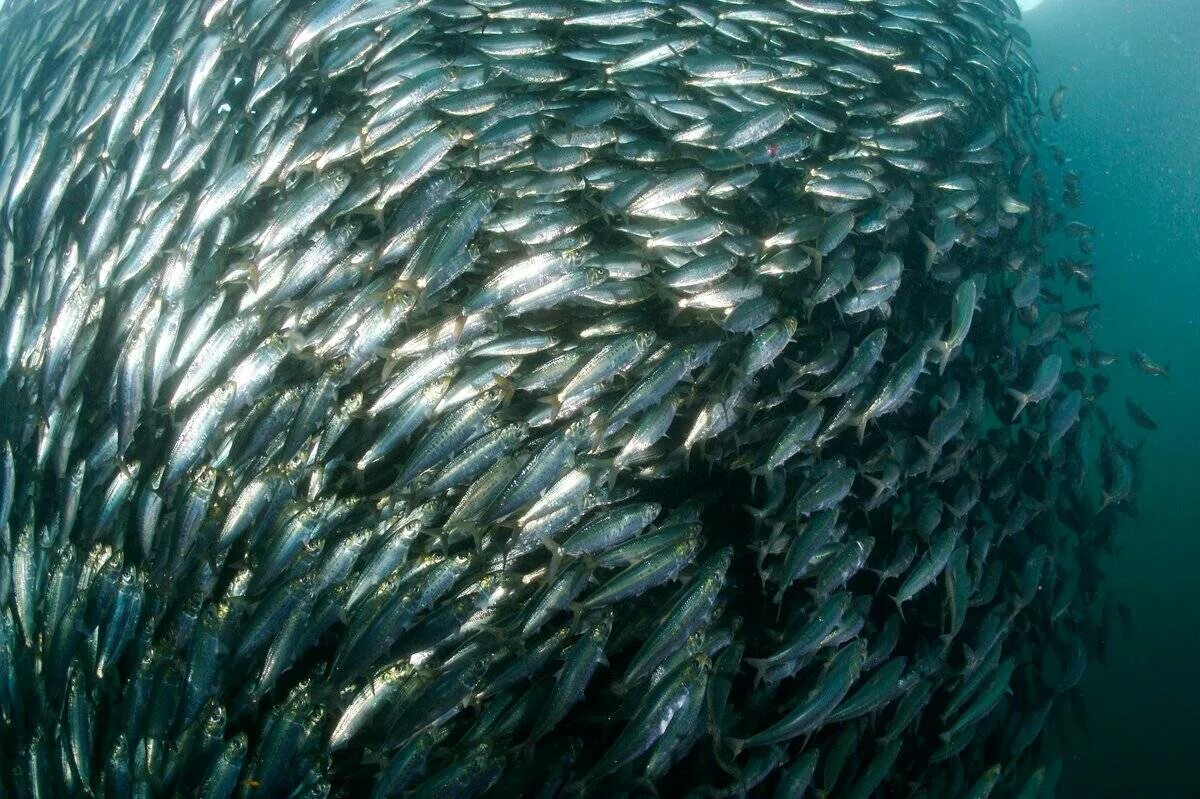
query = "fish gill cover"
{"x": 434, "y": 398}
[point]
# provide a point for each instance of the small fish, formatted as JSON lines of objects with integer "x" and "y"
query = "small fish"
{"x": 1056, "y": 102}
{"x": 1143, "y": 363}
{"x": 1044, "y": 382}
{"x": 1139, "y": 416}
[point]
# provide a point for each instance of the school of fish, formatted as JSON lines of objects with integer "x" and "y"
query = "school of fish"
{"x": 430, "y": 398}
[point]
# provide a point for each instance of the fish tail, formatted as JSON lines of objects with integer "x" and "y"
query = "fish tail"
{"x": 818, "y": 262}
{"x": 945, "y": 351}
{"x": 760, "y": 667}
{"x": 1022, "y": 401}
{"x": 555, "y": 405}
{"x": 930, "y": 250}
{"x": 556, "y": 560}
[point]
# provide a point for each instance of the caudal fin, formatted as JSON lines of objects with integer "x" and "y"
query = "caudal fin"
{"x": 817, "y": 258}
{"x": 931, "y": 250}
{"x": 1022, "y": 401}
{"x": 945, "y": 351}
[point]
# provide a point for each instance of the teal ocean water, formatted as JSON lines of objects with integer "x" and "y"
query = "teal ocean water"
{"x": 1131, "y": 127}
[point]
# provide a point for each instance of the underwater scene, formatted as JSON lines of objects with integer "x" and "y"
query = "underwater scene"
{"x": 623, "y": 398}
{"x": 1131, "y": 123}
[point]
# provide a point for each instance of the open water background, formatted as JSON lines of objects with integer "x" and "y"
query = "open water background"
{"x": 1132, "y": 129}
